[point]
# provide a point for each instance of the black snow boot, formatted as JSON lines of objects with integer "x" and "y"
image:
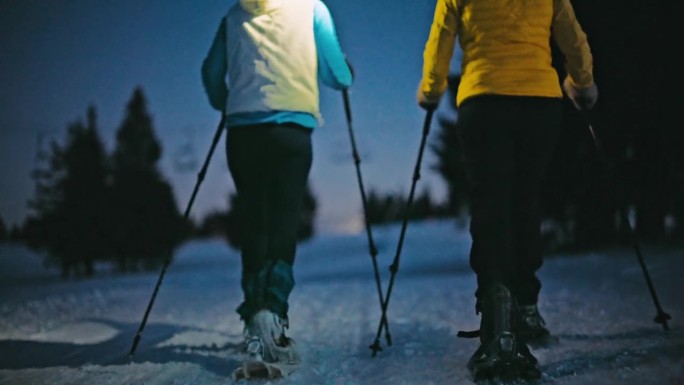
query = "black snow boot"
{"x": 501, "y": 355}
{"x": 531, "y": 327}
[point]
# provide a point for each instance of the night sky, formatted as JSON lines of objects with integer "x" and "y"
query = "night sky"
{"x": 57, "y": 57}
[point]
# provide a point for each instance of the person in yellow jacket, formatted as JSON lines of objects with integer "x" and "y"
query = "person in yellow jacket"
{"x": 509, "y": 114}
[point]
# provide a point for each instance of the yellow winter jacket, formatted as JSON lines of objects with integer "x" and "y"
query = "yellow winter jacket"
{"x": 506, "y": 48}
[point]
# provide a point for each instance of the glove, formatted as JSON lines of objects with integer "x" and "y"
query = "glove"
{"x": 428, "y": 103}
{"x": 351, "y": 69}
{"x": 584, "y": 99}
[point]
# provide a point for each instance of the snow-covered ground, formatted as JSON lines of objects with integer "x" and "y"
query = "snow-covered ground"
{"x": 80, "y": 331}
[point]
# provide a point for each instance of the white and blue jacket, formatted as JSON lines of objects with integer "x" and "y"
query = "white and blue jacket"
{"x": 269, "y": 55}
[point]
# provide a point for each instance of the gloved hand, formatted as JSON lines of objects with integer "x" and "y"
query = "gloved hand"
{"x": 351, "y": 69}
{"x": 584, "y": 99}
{"x": 428, "y": 103}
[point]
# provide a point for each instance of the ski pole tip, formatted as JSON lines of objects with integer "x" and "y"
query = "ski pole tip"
{"x": 662, "y": 319}
{"x": 136, "y": 340}
{"x": 388, "y": 337}
{"x": 375, "y": 348}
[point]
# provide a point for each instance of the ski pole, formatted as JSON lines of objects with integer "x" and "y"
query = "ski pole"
{"x": 394, "y": 267}
{"x": 371, "y": 244}
{"x": 661, "y": 317}
{"x": 200, "y": 178}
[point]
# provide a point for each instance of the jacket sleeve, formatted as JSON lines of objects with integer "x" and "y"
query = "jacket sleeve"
{"x": 214, "y": 69}
{"x": 332, "y": 65}
{"x": 572, "y": 41}
{"x": 439, "y": 50}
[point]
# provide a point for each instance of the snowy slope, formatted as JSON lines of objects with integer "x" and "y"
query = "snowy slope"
{"x": 80, "y": 331}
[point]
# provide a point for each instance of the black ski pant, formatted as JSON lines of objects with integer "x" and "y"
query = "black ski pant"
{"x": 270, "y": 166}
{"x": 507, "y": 143}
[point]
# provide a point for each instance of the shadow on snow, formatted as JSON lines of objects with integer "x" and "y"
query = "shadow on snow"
{"x": 22, "y": 354}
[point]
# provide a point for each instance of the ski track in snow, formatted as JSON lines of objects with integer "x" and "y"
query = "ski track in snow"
{"x": 80, "y": 331}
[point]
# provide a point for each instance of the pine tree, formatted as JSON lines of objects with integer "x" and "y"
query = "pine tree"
{"x": 138, "y": 149}
{"x": 70, "y": 199}
{"x": 85, "y": 191}
{"x": 147, "y": 223}
{"x": 41, "y": 229}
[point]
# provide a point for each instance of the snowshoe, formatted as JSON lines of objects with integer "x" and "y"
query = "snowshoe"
{"x": 494, "y": 359}
{"x": 501, "y": 356}
{"x": 531, "y": 327}
{"x": 269, "y": 352}
{"x": 528, "y": 366}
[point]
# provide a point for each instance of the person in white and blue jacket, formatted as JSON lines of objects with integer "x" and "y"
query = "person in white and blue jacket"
{"x": 263, "y": 71}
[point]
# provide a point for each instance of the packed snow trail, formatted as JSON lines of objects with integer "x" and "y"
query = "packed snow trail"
{"x": 79, "y": 331}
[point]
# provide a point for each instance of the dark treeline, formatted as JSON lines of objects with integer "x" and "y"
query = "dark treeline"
{"x": 225, "y": 224}
{"x": 635, "y": 119}
{"x": 90, "y": 205}
{"x": 387, "y": 208}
